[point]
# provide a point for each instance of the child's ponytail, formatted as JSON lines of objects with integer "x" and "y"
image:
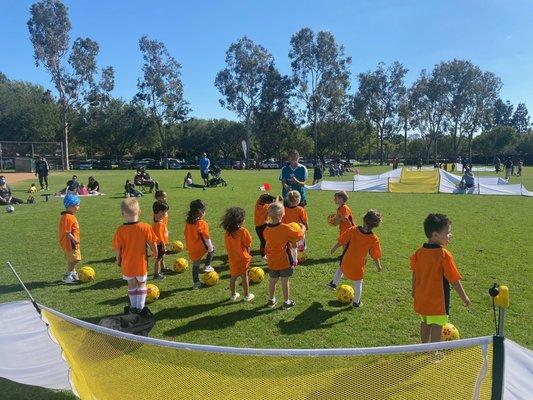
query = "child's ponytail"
{"x": 195, "y": 209}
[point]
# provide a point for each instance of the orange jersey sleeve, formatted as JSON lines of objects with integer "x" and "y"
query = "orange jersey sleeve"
{"x": 277, "y": 248}
{"x": 260, "y": 213}
{"x": 346, "y": 216}
{"x": 160, "y": 231}
{"x": 196, "y": 236}
{"x": 237, "y": 246}
{"x": 68, "y": 224}
{"x": 358, "y": 244}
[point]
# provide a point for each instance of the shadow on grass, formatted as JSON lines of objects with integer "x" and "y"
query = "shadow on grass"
{"x": 16, "y": 287}
{"x": 338, "y": 304}
{"x": 106, "y": 284}
{"x": 124, "y": 299}
{"x": 188, "y": 311}
{"x": 216, "y": 322}
{"x": 103, "y": 260}
{"x": 17, "y": 391}
{"x": 314, "y": 261}
{"x": 312, "y": 318}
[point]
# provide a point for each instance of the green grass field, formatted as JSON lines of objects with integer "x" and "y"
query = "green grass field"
{"x": 492, "y": 243}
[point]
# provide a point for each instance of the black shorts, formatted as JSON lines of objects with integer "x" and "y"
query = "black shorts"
{"x": 205, "y": 175}
{"x": 160, "y": 251}
{"x": 281, "y": 273}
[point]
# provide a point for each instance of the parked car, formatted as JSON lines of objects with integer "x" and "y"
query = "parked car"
{"x": 103, "y": 164}
{"x": 8, "y": 163}
{"x": 125, "y": 164}
{"x": 269, "y": 164}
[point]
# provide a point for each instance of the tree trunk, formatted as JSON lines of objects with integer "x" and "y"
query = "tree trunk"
{"x": 381, "y": 147}
{"x": 369, "y": 145}
{"x": 66, "y": 161}
{"x": 405, "y": 142}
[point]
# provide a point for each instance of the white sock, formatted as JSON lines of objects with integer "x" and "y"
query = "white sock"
{"x": 337, "y": 277}
{"x": 141, "y": 297}
{"x": 294, "y": 251}
{"x": 358, "y": 288}
{"x": 132, "y": 294}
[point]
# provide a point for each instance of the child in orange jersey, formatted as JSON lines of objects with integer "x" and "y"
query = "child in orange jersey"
{"x": 160, "y": 210}
{"x": 295, "y": 213}
{"x": 278, "y": 238}
{"x": 238, "y": 241}
{"x": 69, "y": 237}
{"x": 260, "y": 218}
{"x": 161, "y": 195}
{"x": 343, "y": 217}
{"x": 198, "y": 241}
{"x": 129, "y": 243}
{"x": 434, "y": 270}
{"x": 358, "y": 241}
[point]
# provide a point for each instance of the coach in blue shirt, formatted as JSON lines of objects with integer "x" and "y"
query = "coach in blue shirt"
{"x": 293, "y": 176}
{"x": 204, "y": 168}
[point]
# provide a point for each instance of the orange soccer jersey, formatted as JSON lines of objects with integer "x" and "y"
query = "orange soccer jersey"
{"x": 196, "y": 236}
{"x": 260, "y": 213}
{"x": 131, "y": 239}
{"x": 160, "y": 231}
{"x": 68, "y": 224}
{"x": 347, "y": 220}
{"x": 358, "y": 245}
{"x": 434, "y": 269}
{"x": 295, "y": 214}
{"x": 277, "y": 249}
{"x": 238, "y": 247}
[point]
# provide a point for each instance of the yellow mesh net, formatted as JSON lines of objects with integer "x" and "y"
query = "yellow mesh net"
{"x": 416, "y": 182}
{"x": 110, "y": 367}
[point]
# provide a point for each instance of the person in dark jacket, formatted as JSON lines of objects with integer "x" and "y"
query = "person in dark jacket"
{"x": 41, "y": 170}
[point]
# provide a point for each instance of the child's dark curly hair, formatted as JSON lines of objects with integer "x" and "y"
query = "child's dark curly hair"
{"x": 233, "y": 219}
{"x": 372, "y": 219}
{"x": 195, "y": 209}
{"x": 266, "y": 198}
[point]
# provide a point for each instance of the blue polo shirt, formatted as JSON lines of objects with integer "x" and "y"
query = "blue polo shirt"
{"x": 204, "y": 164}
{"x": 300, "y": 173}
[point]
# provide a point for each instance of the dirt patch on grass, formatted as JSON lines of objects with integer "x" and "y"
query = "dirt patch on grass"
{"x": 14, "y": 177}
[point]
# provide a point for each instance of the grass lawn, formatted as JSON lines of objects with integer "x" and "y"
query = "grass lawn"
{"x": 492, "y": 243}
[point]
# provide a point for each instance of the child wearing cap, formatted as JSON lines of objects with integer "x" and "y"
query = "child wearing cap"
{"x": 69, "y": 237}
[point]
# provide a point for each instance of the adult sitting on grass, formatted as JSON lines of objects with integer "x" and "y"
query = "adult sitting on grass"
{"x": 72, "y": 187}
{"x": 6, "y": 197}
{"x": 187, "y": 181}
{"x": 468, "y": 180}
{"x": 130, "y": 191}
{"x": 93, "y": 186}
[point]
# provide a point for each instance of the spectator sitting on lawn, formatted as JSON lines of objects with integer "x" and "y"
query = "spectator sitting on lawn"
{"x": 187, "y": 181}
{"x": 142, "y": 178}
{"x": 130, "y": 191}
{"x": 467, "y": 181}
{"x": 82, "y": 190}
{"x": 72, "y": 186}
{"x": 93, "y": 186}
{"x": 5, "y": 193}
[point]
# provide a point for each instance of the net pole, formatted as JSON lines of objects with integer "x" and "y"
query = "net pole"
{"x": 24, "y": 287}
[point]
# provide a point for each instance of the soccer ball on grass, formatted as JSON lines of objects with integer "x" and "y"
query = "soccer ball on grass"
{"x": 449, "y": 332}
{"x": 345, "y": 294}
{"x": 210, "y": 278}
{"x": 180, "y": 265}
{"x": 177, "y": 246}
{"x": 86, "y": 274}
{"x": 152, "y": 293}
{"x": 256, "y": 274}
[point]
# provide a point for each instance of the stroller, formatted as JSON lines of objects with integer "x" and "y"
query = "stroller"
{"x": 216, "y": 179}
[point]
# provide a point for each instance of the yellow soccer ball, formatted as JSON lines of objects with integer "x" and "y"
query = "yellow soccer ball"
{"x": 177, "y": 246}
{"x": 449, "y": 332}
{"x": 210, "y": 278}
{"x": 256, "y": 274}
{"x": 331, "y": 220}
{"x": 180, "y": 265}
{"x": 86, "y": 274}
{"x": 345, "y": 294}
{"x": 302, "y": 257}
{"x": 152, "y": 293}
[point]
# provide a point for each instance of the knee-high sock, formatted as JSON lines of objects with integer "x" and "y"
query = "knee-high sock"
{"x": 141, "y": 297}
{"x": 337, "y": 277}
{"x": 358, "y": 288}
{"x": 132, "y": 294}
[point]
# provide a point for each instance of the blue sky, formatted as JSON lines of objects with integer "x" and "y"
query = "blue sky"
{"x": 494, "y": 34}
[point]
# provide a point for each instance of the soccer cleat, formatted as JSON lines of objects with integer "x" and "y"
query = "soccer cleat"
{"x": 197, "y": 285}
{"x": 331, "y": 286}
{"x": 69, "y": 279}
{"x": 234, "y": 297}
{"x": 287, "y": 305}
{"x": 357, "y": 305}
{"x": 208, "y": 268}
{"x": 159, "y": 277}
{"x": 249, "y": 297}
{"x": 272, "y": 303}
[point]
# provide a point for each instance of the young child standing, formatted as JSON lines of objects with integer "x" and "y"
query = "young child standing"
{"x": 32, "y": 191}
{"x": 161, "y": 195}
{"x": 358, "y": 241}
{"x": 197, "y": 240}
{"x": 280, "y": 264}
{"x": 343, "y": 217}
{"x": 295, "y": 213}
{"x": 238, "y": 242}
{"x": 69, "y": 237}
{"x": 159, "y": 227}
{"x": 434, "y": 269}
{"x": 260, "y": 218}
{"x": 129, "y": 243}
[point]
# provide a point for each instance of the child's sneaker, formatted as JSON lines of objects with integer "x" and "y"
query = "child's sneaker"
{"x": 235, "y": 296}
{"x": 272, "y": 303}
{"x": 264, "y": 258}
{"x": 159, "y": 277}
{"x": 166, "y": 270}
{"x": 197, "y": 285}
{"x": 331, "y": 286}
{"x": 69, "y": 279}
{"x": 208, "y": 268}
{"x": 287, "y": 305}
{"x": 249, "y": 297}
{"x": 357, "y": 305}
